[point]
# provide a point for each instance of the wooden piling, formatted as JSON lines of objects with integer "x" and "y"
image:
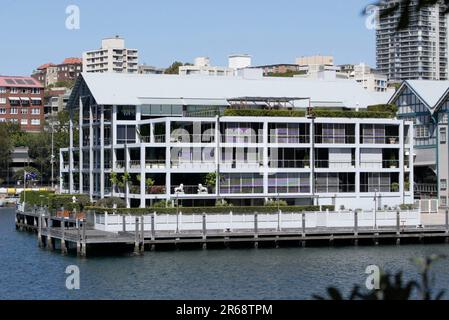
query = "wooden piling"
{"x": 256, "y": 230}
{"x": 204, "y": 231}
{"x": 142, "y": 235}
{"x": 136, "y": 237}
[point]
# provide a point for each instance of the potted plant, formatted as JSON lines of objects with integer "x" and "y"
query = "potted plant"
{"x": 393, "y": 162}
{"x": 395, "y": 187}
{"x": 306, "y": 161}
{"x": 392, "y": 140}
{"x": 407, "y": 185}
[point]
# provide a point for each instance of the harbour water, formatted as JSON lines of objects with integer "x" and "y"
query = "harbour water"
{"x": 27, "y": 272}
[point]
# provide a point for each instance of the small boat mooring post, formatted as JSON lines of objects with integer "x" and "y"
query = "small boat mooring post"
{"x": 356, "y": 228}
{"x": 447, "y": 225}
{"x": 63, "y": 244}
{"x": 256, "y": 230}
{"x": 204, "y": 231}
{"x": 303, "y": 227}
{"x": 83, "y": 239}
{"x": 39, "y": 231}
{"x": 398, "y": 227}
{"x": 153, "y": 234}
{"x": 136, "y": 237}
{"x": 142, "y": 235}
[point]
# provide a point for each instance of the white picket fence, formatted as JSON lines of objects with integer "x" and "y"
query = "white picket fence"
{"x": 241, "y": 222}
{"x": 428, "y": 206}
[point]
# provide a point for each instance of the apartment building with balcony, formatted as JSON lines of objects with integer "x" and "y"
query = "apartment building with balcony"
{"x": 164, "y": 135}
{"x": 426, "y": 104}
{"x": 21, "y": 102}
{"x": 418, "y": 52}
{"x": 48, "y": 74}
{"x": 113, "y": 56}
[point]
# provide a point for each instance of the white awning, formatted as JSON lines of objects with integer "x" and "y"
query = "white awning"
{"x": 14, "y": 99}
{"x": 24, "y": 99}
{"x": 206, "y": 102}
{"x": 184, "y": 102}
{"x": 36, "y": 99}
{"x": 161, "y": 101}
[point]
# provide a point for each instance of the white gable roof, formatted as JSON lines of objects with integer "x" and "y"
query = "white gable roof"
{"x": 133, "y": 89}
{"x": 430, "y": 91}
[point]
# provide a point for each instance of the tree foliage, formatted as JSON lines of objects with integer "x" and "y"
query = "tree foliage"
{"x": 393, "y": 287}
{"x": 174, "y": 68}
{"x": 405, "y": 9}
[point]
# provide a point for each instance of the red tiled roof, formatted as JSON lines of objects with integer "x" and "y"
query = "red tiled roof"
{"x": 21, "y": 82}
{"x": 45, "y": 66}
{"x": 72, "y": 61}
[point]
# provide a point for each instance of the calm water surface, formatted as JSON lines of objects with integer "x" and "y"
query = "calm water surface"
{"x": 27, "y": 272}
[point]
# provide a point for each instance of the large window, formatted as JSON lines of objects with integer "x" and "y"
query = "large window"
{"x": 126, "y": 134}
{"x": 335, "y": 182}
{"x": 289, "y": 183}
{"x": 443, "y": 136}
{"x": 2, "y": 100}
{"x": 126, "y": 113}
{"x": 378, "y": 182}
{"x": 241, "y": 183}
{"x": 35, "y": 122}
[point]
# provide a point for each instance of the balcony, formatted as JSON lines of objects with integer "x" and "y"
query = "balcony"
{"x": 289, "y": 139}
{"x": 241, "y": 190}
{"x": 198, "y": 165}
{"x": 289, "y": 164}
{"x": 242, "y": 138}
{"x": 329, "y": 164}
{"x": 289, "y": 189}
{"x": 192, "y": 190}
{"x": 241, "y": 165}
{"x": 155, "y": 164}
{"x": 192, "y": 138}
{"x": 120, "y": 164}
{"x": 334, "y": 139}
{"x": 385, "y": 164}
{"x": 367, "y": 139}
{"x": 134, "y": 164}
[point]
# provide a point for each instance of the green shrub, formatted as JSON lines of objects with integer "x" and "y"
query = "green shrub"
{"x": 376, "y": 112}
{"x": 65, "y": 201}
{"x": 263, "y": 113}
{"x": 276, "y": 203}
{"x": 391, "y": 108}
{"x": 325, "y": 113}
{"x": 109, "y": 203}
{"x": 36, "y": 197}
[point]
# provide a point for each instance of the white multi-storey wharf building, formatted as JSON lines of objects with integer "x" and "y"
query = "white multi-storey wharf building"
{"x": 151, "y": 138}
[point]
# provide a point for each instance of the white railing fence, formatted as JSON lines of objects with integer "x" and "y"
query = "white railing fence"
{"x": 231, "y": 222}
{"x": 428, "y": 206}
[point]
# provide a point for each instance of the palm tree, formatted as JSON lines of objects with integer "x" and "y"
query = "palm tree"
{"x": 405, "y": 7}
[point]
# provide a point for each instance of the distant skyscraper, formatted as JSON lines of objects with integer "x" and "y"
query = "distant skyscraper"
{"x": 417, "y": 52}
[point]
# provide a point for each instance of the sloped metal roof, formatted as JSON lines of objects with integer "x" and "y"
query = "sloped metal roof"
{"x": 133, "y": 89}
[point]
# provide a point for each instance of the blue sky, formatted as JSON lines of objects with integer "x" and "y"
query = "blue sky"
{"x": 272, "y": 31}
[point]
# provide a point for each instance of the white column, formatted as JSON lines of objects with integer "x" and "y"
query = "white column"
{"x": 168, "y": 158}
{"x": 142, "y": 176}
{"x": 401, "y": 161}
{"x": 71, "y": 151}
{"x": 265, "y": 157}
{"x": 61, "y": 166}
{"x": 357, "y": 159}
{"x": 91, "y": 154}
{"x": 80, "y": 142}
{"x": 102, "y": 152}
